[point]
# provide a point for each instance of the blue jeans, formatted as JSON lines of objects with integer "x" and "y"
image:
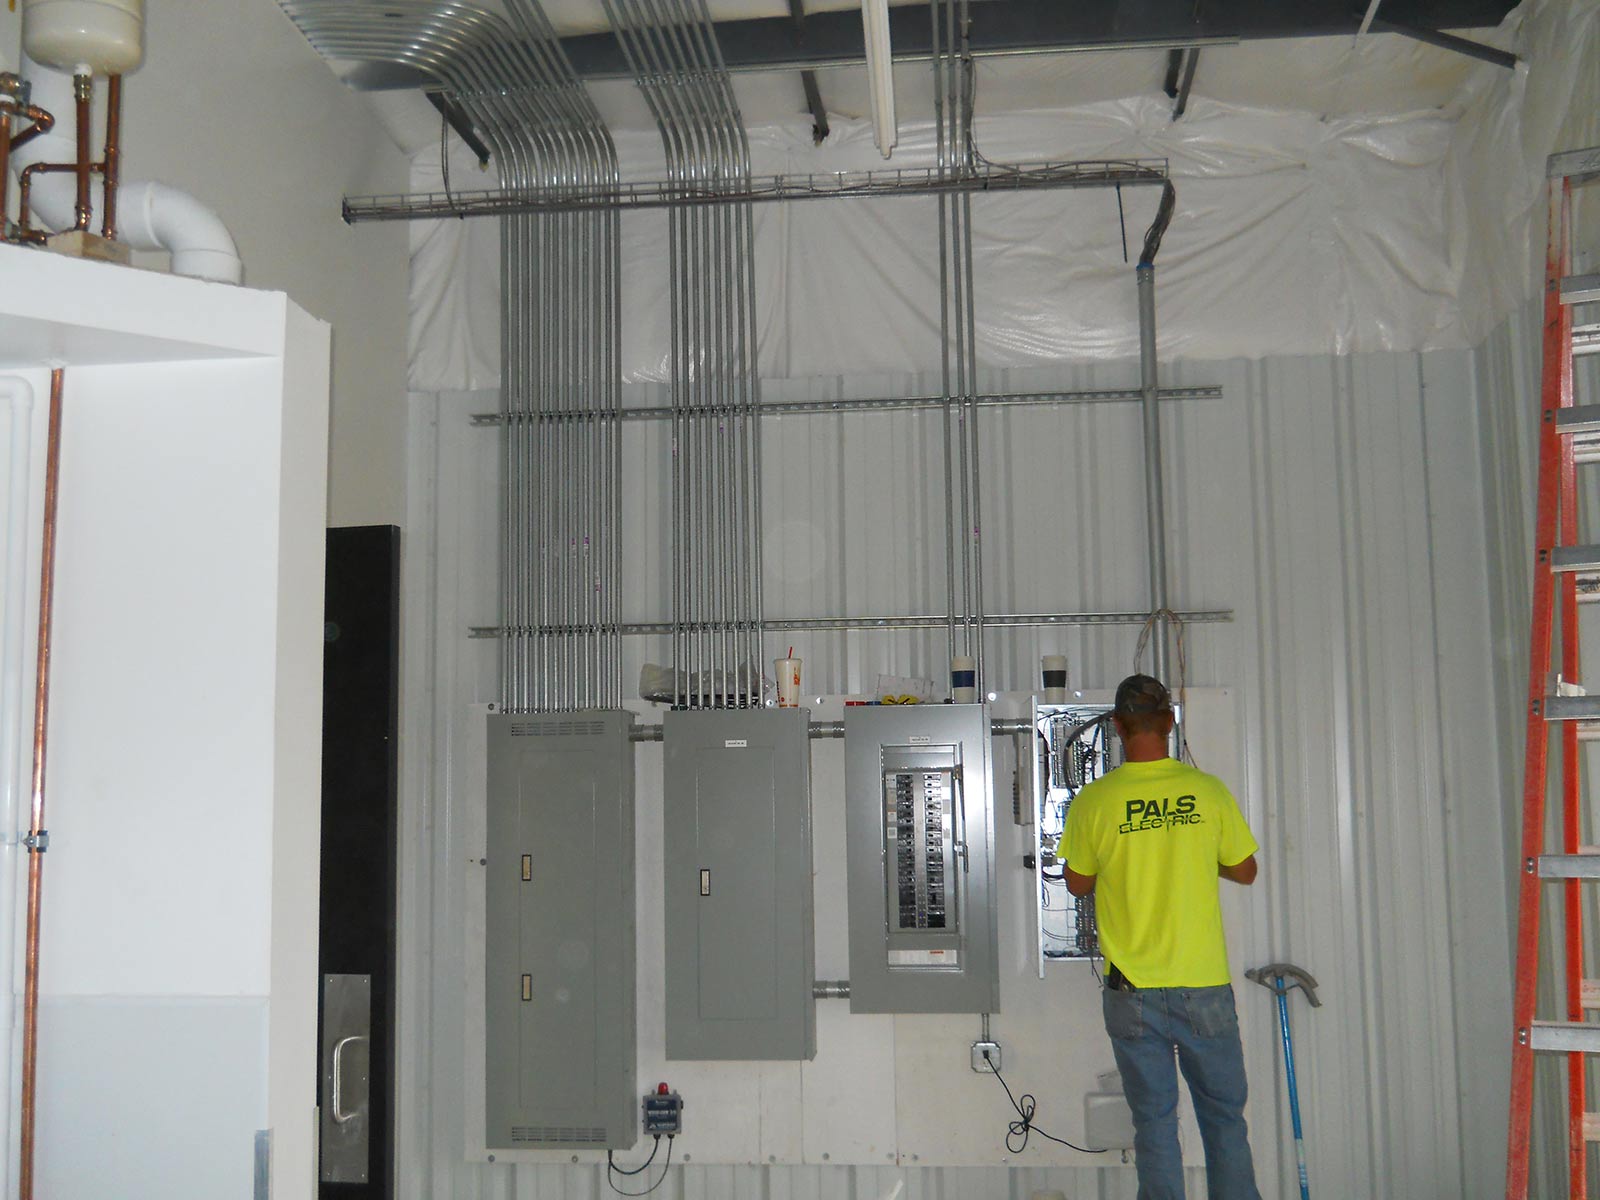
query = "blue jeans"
{"x": 1199, "y": 1028}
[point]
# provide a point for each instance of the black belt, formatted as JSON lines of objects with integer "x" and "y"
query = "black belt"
{"x": 1116, "y": 980}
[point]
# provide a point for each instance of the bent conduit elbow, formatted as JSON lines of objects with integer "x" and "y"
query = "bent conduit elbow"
{"x": 150, "y": 216}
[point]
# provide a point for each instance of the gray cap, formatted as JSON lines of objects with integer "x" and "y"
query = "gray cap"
{"x": 1141, "y": 694}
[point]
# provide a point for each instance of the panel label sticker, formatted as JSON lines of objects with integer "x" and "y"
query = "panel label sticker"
{"x": 736, "y": 743}
{"x": 924, "y": 958}
{"x": 919, "y": 739}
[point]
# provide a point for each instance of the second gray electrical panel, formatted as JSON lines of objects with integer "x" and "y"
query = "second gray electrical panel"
{"x": 559, "y": 1019}
{"x": 921, "y": 851}
{"x": 736, "y": 847}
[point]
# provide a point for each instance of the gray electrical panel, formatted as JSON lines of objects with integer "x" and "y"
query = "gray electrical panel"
{"x": 560, "y": 932}
{"x": 920, "y": 822}
{"x": 738, "y": 901}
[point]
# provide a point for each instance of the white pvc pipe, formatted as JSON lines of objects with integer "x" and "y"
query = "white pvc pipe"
{"x": 150, "y": 216}
{"x": 16, "y": 394}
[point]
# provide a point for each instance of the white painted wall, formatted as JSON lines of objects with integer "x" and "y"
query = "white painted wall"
{"x": 234, "y": 107}
{"x": 178, "y": 982}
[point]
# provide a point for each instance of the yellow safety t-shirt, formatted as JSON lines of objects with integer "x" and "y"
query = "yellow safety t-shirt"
{"x": 1153, "y": 834}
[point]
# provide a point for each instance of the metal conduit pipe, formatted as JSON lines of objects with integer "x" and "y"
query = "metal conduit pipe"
{"x": 831, "y": 989}
{"x": 1150, "y": 410}
{"x": 561, "y": 513}
{"x": 1154, "y": 497}
{"x": 715, "y": 519}
{"x": 834, "y": 730}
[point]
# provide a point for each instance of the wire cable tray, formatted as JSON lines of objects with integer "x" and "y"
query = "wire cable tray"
{"x": 922, "y": 181}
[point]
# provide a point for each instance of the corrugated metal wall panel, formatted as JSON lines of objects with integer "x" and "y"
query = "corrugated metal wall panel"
{"x": 1337, "y": 505}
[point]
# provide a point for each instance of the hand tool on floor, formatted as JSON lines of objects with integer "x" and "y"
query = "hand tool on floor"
{"x": 1280, "y": 979}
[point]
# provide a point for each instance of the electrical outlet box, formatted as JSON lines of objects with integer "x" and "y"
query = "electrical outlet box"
{"x": 663, "y": 1113}
{"x": 986, "y": 1057}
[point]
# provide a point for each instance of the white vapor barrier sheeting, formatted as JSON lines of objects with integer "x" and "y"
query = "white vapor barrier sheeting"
{"x": 1336, "y": 505}
{"x": 1297, "y": 230}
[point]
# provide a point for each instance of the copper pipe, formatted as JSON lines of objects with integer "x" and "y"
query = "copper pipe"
{"x": 82, "y": 89}
{"x": 5, "y": 163}
{"x": 43, "y": 122}
{"x": 40, "y": 168}
{"x": 113, "y": 158}
{"x": 38, "y": 841}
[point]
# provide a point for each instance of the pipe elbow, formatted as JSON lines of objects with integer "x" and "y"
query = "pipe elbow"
{"x": 154, "y": 216}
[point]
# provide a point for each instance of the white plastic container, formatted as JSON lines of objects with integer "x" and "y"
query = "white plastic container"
{"x": 100, "y": 37}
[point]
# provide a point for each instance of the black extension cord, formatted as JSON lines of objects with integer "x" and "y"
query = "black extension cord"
{"x": 1018, "y": 1131}
{"x": 612, "y": 1168}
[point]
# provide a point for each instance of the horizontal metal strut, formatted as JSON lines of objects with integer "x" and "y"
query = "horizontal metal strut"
{"x": 781, "y": 408}
{"x": 1570, "y": 866}
{"x": 920, "y": 621}
{"x": 1565, "y": 1037}
{"x": 927, "y": 181}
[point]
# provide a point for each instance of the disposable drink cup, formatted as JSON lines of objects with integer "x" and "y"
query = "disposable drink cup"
{"x": 788, "y": 673}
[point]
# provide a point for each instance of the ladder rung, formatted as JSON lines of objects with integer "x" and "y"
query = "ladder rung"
{"x": 1581, "y": 165}
{"x": 1575, "y": 558}
{"x": 1581, "y": 418}
{"x": 1585, "y": 865}
{"x": 1572, "y": 708}
{"x": 1580, "y": 289}
{"x": 1565, "y": 1037}
{"x": 1585, "y": 339}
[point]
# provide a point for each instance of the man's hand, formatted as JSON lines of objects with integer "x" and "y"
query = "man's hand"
{"x": 1078, "y": 885}
{"x": 1241, "y": 872}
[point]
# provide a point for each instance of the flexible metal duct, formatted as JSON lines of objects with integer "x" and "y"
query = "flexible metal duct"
{"x": 151, "y": 216}
{"x": 717, "y": 604}
{"x": 561, "y": 559}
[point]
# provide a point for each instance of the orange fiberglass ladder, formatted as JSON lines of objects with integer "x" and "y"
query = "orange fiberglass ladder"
{"x": 1568, "y": 434}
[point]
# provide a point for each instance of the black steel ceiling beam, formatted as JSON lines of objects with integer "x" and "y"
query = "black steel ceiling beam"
{"x": 1174, "y": 72}
{"x": 1446, "y": 41}
{"x": 1036, "y": 26}
{"x": 461, "y": 123}
{"x": 1180, "y": 102}
{"x": 808, "y": 79}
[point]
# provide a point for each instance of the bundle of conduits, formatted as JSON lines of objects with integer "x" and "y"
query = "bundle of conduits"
{"x": 716, "y": 442}
{"x": 561, "y": 560}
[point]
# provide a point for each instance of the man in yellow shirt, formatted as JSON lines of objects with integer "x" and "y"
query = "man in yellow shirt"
{"x": 1150, "y": 840}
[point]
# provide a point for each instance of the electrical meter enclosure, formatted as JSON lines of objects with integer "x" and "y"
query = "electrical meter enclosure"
{"x": 919, "y": 800}
{"x": 560, "y": 970}
{"x": 736, "y": 850}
